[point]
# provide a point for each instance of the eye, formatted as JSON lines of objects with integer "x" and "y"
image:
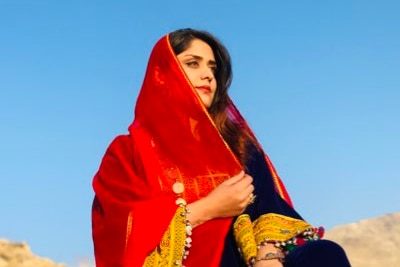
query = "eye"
{"x": 192, "y": 64}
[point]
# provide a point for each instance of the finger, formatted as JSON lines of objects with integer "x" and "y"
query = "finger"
{"x": 248, "y": 177}
{"x": 251, "y": 188}
{"x": 252, "y": 199}
{"x": 243, "y": 194}
{"x": 235, "y": 179}
{"x": 244, "y": 182}
{"x": 247, "y": 193}
{"x": 248, "y": 190}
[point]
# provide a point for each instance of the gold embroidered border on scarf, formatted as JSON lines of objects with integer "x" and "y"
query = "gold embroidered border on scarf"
{"x": 171, "y": 248}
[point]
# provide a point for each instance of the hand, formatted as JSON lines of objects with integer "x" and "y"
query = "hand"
{"x": 269, "y": 263}
{"x": 228, "y": 199}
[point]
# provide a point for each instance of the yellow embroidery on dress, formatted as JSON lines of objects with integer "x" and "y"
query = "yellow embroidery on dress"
{"x": 244, "y": 236}
{"x": 171, "y": 248}
{"x": 276, "y": 227}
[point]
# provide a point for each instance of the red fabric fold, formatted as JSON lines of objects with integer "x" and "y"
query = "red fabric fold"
{"x": 122, "y": 190}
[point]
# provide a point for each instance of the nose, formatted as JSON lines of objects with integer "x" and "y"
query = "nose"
{"x": 207, "y": 74}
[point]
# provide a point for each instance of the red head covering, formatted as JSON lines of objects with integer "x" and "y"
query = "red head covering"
{"x": 171, "y": 139}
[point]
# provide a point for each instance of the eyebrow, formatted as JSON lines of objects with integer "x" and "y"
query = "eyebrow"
{"x": 201, "y": 58}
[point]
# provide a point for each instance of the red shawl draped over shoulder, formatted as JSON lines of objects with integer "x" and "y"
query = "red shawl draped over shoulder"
{"x": 172, "y": 138}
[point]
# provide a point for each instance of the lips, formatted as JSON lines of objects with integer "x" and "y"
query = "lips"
{"x": 204, "y": 88}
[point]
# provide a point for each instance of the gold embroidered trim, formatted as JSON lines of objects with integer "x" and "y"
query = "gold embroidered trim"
{"x": 244, "y": 236}
{"x": 171, "y": 248}
{"x": 276, "y": 227}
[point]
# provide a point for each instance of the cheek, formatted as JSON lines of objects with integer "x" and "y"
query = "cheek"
{"x": 190, "y": 74}
{"x": 214, "y": 85}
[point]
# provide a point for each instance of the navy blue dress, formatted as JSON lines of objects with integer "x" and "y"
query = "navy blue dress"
{"x": 321, "y": 253}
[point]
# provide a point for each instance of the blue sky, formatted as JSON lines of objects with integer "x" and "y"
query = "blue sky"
{"x": 318, "y": 81}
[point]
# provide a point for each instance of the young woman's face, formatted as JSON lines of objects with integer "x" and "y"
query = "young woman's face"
{"x": 199, "y": 64}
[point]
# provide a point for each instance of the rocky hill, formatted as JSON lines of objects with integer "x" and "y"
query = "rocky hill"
{"x": 20, "y": 255}
{"x": 371, "y": 243}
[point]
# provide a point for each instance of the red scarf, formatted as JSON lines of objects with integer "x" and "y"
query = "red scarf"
{"x": 172, "y": 138}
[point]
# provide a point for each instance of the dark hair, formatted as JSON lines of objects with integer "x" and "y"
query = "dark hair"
{"x": 234, "y": 135}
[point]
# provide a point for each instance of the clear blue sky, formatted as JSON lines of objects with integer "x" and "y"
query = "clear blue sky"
{"x": 317, "y": 80}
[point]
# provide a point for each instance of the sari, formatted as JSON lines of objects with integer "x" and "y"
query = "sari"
{"x": 135, "y": 217}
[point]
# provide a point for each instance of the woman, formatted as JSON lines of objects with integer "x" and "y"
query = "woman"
{"x": 190, "y": 185}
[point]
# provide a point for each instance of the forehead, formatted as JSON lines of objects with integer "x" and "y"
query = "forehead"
{"x": 199, "y": 48}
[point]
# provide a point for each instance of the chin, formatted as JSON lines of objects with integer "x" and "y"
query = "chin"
{"x": 207, "y": 104}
